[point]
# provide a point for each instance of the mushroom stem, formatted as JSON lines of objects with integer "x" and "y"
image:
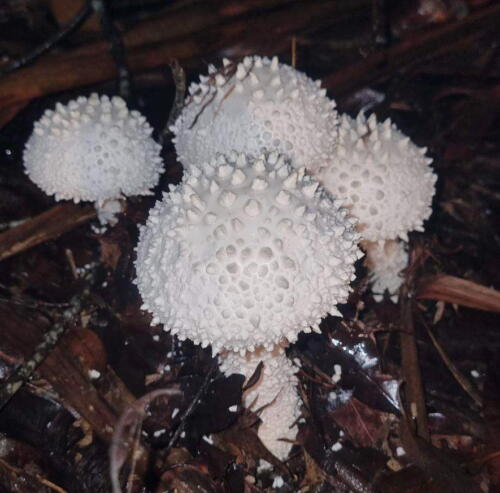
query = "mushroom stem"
{"x": 385, "y": 260}
{"x": 274, "y": 396}
{"x": 108, "y": 210}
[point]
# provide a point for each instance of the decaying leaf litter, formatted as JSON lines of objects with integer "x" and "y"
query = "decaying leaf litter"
{"x": 370, "y": 423}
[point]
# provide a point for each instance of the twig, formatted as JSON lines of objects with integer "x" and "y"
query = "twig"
{"x": 46, "y": 226}
{"x": 45, "y": 47}
{"x": 411, "y": 372}
{"x": 459, "y": 377}
{"x": 130, "y": 425}
{"x": 189, "y": 410}
{"x": 179, "y": 77}
{"x": 379, "y": 23}
{"x": 20, "y": 472}
{"x": 463, "y": 292}
{"x": 414, "y": 391}
{"x": 50, "y": 339}
{"x": 117, "y": 47}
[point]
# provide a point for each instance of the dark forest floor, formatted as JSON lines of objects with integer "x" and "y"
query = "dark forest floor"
{"x": 55, "y": 431}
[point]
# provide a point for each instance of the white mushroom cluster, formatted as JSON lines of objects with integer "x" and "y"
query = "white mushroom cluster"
{"x": 274, "y": 395}
{"x": 93, "y": 149}
{"x": 255, "y": 105}
{"x": 250, "y": 249}
{"x": 245, "y": 252}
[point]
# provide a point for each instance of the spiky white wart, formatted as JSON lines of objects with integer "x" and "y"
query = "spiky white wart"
{"x": 256, "y": 104}
{"x": 245, "y": 252}
{"x": 275, "y": 391}
{"x": 384, "y": 178}
{"x": 93, "y": 149}
{"x": 386, "y": 260}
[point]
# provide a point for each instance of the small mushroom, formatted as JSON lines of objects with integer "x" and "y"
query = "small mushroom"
{"x": 387, "y": 183}
{"x": 93, "y": 149}
{"x": 256, "y": 104}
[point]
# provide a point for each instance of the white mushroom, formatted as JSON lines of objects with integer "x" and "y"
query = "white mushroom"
{"x": 275, "y": 393}
{"x": 93, "y": 149}
{"x": 256, "y": 104}
{"x": 387, "y": 184}
{"x": 245, "y": 252}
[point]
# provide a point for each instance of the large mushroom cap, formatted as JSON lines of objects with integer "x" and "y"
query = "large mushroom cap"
{"x": 93, "y": 149}
{"x": 385, "y": 179}
{"x": 256, "y": 104}
{"x": 275, "y": 391}
{"x": 245, "y": 252}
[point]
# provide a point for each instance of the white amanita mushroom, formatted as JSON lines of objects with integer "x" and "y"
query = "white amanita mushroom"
{"x": 245, "y": 252}
{"x": 385, "y": 181}
{"x": 275, "y": 392}
{"x": 93, "y": 149}
{"x": 256, "y": 104}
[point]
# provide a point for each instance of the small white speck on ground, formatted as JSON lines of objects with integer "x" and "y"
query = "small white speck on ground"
{"x": 278, "y": 482}
{"x": 337, "y": 375}
{"x": 208, "y": 440}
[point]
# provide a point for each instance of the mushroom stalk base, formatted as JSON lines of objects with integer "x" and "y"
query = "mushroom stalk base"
{"x": 274, "y": 396}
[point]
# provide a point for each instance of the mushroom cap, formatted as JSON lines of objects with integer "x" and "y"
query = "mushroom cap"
{"x": 256, "y": 104}
{"x": 385, "y": 179}
{"x": 276, "y": 389}
{"x": 386, "y": 260}
{"x": 245, "y": 252}
{"x": 93, "y": 149}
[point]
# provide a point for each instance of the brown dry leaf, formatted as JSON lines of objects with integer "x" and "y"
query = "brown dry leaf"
{"x": 363, "y": 424}
{"x": 453, "y": 289}
{"x": 187, "y": 478}
{"x": 314, "y": 474}
{"x": 241, "y": 439}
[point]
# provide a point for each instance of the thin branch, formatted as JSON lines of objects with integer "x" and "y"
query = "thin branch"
{"x": 179, "y": 77}
{"x": 44, "y": 227}
{"x": 117, "y": 47}
{"x": 380, "y": 31}
{"x": 50, "y": 340}
{"x": 459, "y": 377}
{"x": 192, "y": 406}
{"x": 50, "y": 43}
{"x": 414, "y": 389}
{"x": 126, "y": 438}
